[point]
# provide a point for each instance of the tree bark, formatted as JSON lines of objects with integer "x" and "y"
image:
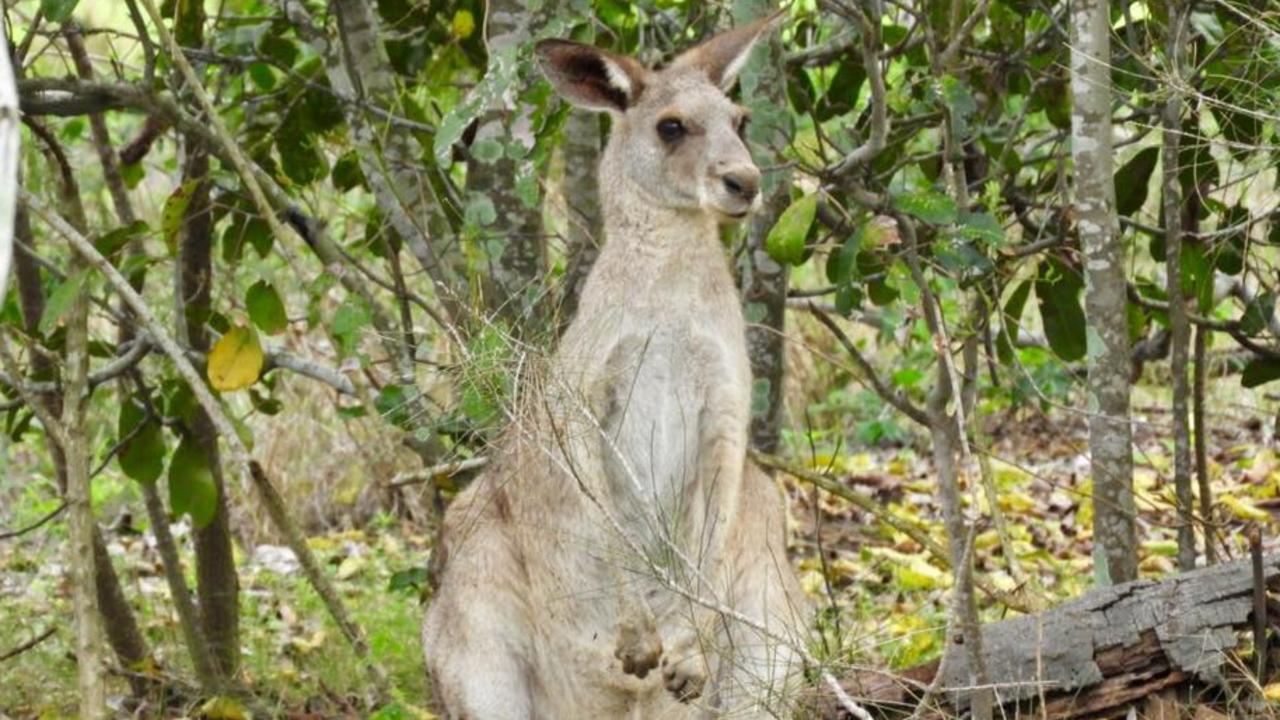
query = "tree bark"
{"x": 82, "y": 558}
{"x": 1179, "y": 327}
{"x": 1110, "y": 446}
{"x": 217, "y": 584}
{"x": 764, "y": 281}
{"x": 514, "y": 242}
{"x": 1096, "y": 655}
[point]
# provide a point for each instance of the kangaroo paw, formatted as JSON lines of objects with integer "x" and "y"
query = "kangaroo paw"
{"x": 684, "y": 674}
{"x": 639, "y": 650}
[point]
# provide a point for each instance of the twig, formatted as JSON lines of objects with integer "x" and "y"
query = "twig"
{"x": 870, "y": 376}
{"x": 35, "y": 525}
{"x": 446, "y": 470}
{"x": 29, "y": 644}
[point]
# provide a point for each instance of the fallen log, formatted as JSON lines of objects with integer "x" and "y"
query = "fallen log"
{"x": 1100, "y": 654}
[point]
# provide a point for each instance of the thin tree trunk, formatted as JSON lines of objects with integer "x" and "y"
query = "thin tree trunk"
{"x": 1110, "y": 446}
{"x": 764, "y": 281}
{"x": 82, "y": 558}
{"x": 582, "y": 145}
{"x": 217, "y": 584}
{"x": 1201, "y": 444}
{"x": 1179, "y": 327}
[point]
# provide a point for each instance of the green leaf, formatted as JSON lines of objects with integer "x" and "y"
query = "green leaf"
{"x": 410, "y": 580}
{"x": 141, "y": 457}
{"x": 785, "y": 242}
{"x": 1011, "y": 320}
{"x": 58, "y": 10}
{"x": 60, "y": 301}
{"x": 346, "y": 172}
{"x": 351, "y": 318}
{"x": 1058, "y": 292}
{"x": 262, "y": 75}
{"x": 1260, "y": 371}
{"x": 982, "y": 227}
{"x": 132, "y": 174}
{"x": 393, "y": 404}
{"x": 487, "y": 151}
{"x": 1133, "y": 179}
{"x": 112, "y": 242}
{"x": 1258, "y": 314}
{"x": 842, "y": 94}
{"x": 266, "y": 310}
{"x": 191, "y": 486}
{"x": 927, "y": 205}
{"x": 480, "y": 210}
{"x": 175, "y": 208}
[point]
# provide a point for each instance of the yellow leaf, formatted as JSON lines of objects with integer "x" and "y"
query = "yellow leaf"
{"x": 464, "y": 23}
{"x": 235, "y": 360}
{"x": 1272, "y": 692}
{"x": 1165, "y": 548}
{"x": 1243, "y": 509}
{"x": 224, "y": 708}
{"x": 919, "y": 575}
{"x": 350, "y": 567}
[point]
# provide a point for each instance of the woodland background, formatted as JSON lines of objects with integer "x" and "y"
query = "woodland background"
{"x": 1012, "y": 317}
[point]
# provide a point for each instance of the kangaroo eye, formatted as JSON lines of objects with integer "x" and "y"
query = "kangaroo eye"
{"x": 671, "y": 130}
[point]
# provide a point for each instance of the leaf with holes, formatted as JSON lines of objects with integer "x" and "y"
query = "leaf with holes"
{"x": 175, "y": 208}
{"x": 785, "y": 242}
{"x": 191, "y": 486}
{"x": 927, "y": 205}
{"x": 266, "y": 310}
{"x": 236, "y": 360}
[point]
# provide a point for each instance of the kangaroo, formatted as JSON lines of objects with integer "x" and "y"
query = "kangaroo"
{"x": 587, "y": 572}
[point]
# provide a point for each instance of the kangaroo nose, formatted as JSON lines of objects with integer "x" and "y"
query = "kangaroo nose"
{"x": 742, "y": 184}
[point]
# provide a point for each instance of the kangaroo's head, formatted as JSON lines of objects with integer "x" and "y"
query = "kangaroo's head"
{"x": 676, "y": 136}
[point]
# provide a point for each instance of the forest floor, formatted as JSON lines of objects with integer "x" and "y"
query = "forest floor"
{"x": 882, "y": 595}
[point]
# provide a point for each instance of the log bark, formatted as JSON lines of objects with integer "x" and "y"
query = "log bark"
{"x": 1098, "y": 654}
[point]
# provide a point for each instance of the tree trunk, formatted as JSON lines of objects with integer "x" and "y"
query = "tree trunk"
{"x": 514, "y": 241}
{"x": 217, "y": 585}
{"x": 1110, "y": 447}
{"x": 764, "y": 281}
{"x": 1096, "y": 655}
{"x": 582, "y": 146}
{"x": 1179, "y": 327}
{"x": 82, "y": 557}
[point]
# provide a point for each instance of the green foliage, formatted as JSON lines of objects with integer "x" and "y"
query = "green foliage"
{"x": 142, "y": 445}
{"x": 265, "y": 308}
{"x": 785, "y": 242}
{"x": 191, "y": 486}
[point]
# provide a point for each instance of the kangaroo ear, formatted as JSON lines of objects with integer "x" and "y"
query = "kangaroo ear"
{"x": 723, "y": 55}
{"x": 590, "y": 77}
